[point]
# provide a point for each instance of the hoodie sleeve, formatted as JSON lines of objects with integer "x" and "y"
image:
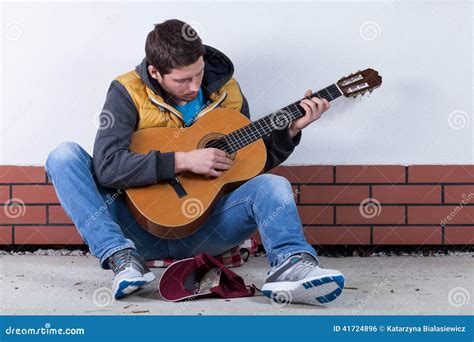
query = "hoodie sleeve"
{"x": 279, "y": 144}
{"x": 115, "y": 166}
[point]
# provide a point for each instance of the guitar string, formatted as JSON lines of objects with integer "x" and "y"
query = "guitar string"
{"x": 333, "y": 93}
{"x": 251, "y": 132}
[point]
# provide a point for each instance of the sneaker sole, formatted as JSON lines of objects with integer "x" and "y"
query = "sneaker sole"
{"x": 314, "y": 290}
{"x": 128, "y": 286}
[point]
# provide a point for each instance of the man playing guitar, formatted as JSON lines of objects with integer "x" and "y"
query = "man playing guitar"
{"x": 177, "y": 80}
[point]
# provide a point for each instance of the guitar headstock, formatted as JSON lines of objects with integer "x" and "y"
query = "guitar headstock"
{"x": 359, "y": 83}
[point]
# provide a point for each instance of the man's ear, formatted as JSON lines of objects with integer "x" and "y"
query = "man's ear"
{"x": 154, "y": 73}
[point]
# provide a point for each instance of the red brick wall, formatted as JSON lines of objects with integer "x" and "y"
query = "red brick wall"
{"x": 41, "y": 220}
{"x": 341, "y": 205}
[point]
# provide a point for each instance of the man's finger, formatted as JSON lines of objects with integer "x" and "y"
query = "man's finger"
{"x": 219, "y": 152}
{"x": 222, "y": 166}
{"x": 311, "y": 104}
{"x": 214, "y": 173}
{"x": 224, "y": 160}
{"x": 318, "y": 101}
{"x": 306, "y": 108}
{"x": 309, "y": 92}
{"x": 321, "y": 104}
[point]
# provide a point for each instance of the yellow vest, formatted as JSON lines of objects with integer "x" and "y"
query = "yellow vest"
{"x": 154, "y": 112}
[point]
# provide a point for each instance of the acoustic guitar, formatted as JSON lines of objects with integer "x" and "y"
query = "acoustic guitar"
{"x": 177, "y": 208}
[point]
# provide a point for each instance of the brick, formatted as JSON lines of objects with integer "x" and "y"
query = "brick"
{"x": 305, "y": 173}
{"x": 370, "y": 174}
{"x": 333, "y": 194}
{"x": 459, "y": 236}
{"x": 57, "y": 215}
{"x": 294, "y": 188}
{"x": 22, "y": 174}
{"x": 438, "y": 214}
{"x": 35, "y": 193}
{"x": 338, "y": 235}
{"x": 4, "y": 193}
{"x": 23, "y": 214}
{"x": 407, "y": 193}
{"x": 457, "y": 193}
{"x": 440, "y": 173}
{"x": 316, "y": 214}
{"x": 373, "y": 215}
{"x": 412, "y": 235}
{"x": 6, "y": 236}
{"x": 44, "y": 235}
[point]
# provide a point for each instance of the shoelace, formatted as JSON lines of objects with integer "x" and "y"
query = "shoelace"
{"x": 310, "y": 263}
{"x": 120, "y": 260}
{"x": 301, "y": 268}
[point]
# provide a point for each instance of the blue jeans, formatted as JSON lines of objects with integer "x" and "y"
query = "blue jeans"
{"x": 106, "y": 225}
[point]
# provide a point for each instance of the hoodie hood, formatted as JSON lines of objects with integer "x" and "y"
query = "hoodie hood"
{"x": 218, "y": 70}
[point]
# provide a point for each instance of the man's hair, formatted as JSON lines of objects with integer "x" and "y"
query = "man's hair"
{"x": 173, "y": 44}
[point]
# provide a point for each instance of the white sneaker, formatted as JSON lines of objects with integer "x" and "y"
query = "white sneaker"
{"x": 131, "y": 272}
{"x": 300, "y": 280}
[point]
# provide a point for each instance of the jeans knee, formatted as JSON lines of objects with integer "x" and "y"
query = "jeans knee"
{"x": 66, "y": 153}
{"x": 273, "y": 185}
{"x": 271, "y": 181}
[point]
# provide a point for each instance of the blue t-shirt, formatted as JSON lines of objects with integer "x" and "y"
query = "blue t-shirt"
{"x": 190, "y": 109}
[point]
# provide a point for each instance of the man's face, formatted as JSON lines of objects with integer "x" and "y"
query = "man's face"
{"x": 182, "y": 83}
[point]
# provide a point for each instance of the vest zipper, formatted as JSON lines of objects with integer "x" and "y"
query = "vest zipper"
{"x": 211, "y": 107}
{"x": 171, "y": 109}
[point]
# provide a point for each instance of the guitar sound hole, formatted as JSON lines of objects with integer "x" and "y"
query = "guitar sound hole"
{"x": 221, "y": 144}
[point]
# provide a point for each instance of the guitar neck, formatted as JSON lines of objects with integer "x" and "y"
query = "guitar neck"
{"x": 274, "y": 121}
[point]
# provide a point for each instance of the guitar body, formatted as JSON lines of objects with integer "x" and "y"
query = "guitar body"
{"x": 158, "y": 208}
{"x": 173, "y": 210}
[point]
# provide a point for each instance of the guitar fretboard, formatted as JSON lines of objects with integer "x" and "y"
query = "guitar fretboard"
{"x": 274, "y": 121}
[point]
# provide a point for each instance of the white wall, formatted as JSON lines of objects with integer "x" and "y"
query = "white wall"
{"x": 58, "y": 60}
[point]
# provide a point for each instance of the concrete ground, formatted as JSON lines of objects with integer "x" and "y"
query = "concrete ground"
{"x": 395, "y": 285}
